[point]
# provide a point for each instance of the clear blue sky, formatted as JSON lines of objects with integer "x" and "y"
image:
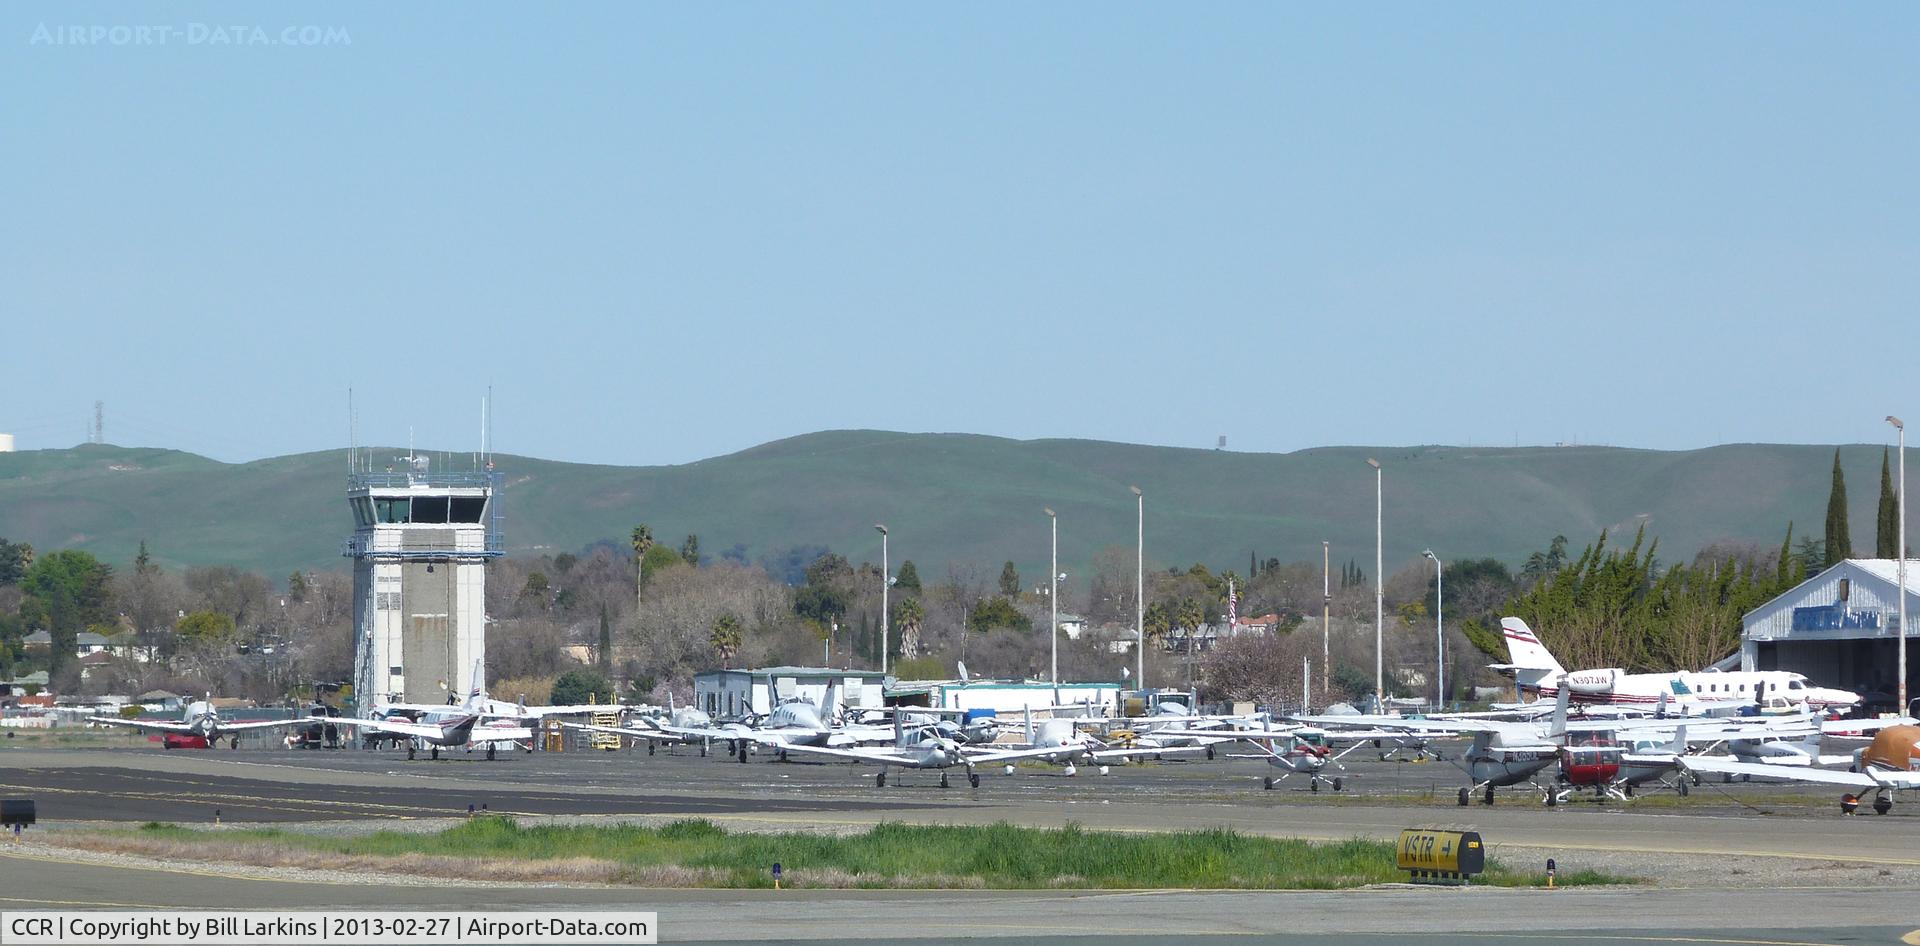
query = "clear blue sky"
{"x": 664, "y": 232}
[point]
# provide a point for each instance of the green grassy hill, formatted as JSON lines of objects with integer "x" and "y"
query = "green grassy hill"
{"x": 970, "y": 498}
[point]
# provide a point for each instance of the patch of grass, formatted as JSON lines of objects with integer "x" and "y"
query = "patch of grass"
{"x": 700, "y": 853}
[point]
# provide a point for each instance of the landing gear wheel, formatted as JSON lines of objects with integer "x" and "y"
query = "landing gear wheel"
{"x": 1209, "y": 753}
{"x": 1683, "y": 788}
{"x": 1466, "y": 795}
{"x": 1313, "y": 784}
{"x": 943, "y": 780}
{"x": 1882, "y": 805}
{"x": 436, "y": 753}
{"x": 233, "y": 743}
{"x": 1553, "y": 798}
{"x": 650, "y": 748}
{"x": 1338, "y": 784}
{"x": 1489, "y": 794}
{"x": 743, "y": 753}
{"x": 1267, "y": 783}
{"x": 973, "y": 779}
{"x": 1072, "y": 770}
{"x": 880, "y": 781}
{"x": 409, "y": 753}
{"x": 490, "y": 750}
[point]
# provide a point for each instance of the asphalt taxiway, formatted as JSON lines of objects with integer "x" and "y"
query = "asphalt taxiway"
{"x": 1718, "y": 828}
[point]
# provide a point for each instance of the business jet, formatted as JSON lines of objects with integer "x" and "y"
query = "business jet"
{"x": 1533, "y": 667}
{"x": 200, "y": 725}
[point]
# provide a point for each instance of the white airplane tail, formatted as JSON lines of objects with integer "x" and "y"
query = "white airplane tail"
{"x": 477, "y": 696}
{"x": 1532, "y": 662}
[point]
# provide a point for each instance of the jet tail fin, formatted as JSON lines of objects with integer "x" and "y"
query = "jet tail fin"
{"x": 1525, "y": 649}
{"x": 1679, "y": 744}
{"x": 477, "y": 696}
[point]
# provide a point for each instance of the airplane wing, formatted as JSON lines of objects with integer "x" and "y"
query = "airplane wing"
{"x": 1721, "y": 766}
{"x": 858, "y": 754}
{"x": 1863, "y": 728}
{"x": 269, "y": 723}
{"x": 486, "y": 733}
{"x": 153, "y": 724}
{"x": 653, "y": 735}
{"x": 395, "y": 726}
{"x": 1104, "y": 755}
{"x": 1008, "y": 755}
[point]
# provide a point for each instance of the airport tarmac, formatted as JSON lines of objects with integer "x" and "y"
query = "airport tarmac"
{"x": 1717, "y": 830}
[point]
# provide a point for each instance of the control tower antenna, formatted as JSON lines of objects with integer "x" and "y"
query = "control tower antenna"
{"x": 99, "y": 422}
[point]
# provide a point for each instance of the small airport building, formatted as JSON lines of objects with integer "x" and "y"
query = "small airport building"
{"x": 731, "y": 694}
{"x": 1840, "y": 628}
{"x": 1003, "y": 697}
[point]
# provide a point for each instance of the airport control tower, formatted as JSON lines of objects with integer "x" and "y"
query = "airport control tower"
{"x": 420, "y": 547}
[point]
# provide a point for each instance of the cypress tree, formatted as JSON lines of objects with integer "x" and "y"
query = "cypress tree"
{"x": 1886, "y": 537}
{"x": 1839, "y": 538}
{"x": 1783, "y": 569}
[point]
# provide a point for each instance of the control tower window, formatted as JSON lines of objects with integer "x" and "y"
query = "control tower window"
{"x": 392, "y": 509}
{"x": 467, "y": 509}
{"x": 430, "y": 509}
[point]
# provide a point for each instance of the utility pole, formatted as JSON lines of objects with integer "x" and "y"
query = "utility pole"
{"x": 1053, "y": 600}
{"x": 1902, "y": 493}
{"x": 1326, "y": 610}
{"x": 886, "y": 582}
{"x": 1379, "y": 592}
{"x": 1140, "y": 589}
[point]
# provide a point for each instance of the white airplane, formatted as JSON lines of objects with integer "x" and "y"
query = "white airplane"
{"x": 1534, "y": 667}
{"x": 199, "y": 720}
{"x": 446, "y": 727}
{"x": 923, "y": 750}
{"x": 1890, "y": 763}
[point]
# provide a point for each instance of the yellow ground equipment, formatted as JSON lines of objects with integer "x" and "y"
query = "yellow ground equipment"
{"x": 1440, "y": 857}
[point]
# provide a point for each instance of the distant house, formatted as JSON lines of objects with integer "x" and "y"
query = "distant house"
{"x": 93, "y": 661}
{"x": 20, "y": 686}
{"x": 84, "y": 643}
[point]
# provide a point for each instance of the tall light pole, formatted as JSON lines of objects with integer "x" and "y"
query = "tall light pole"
{"x": 1053, "y": 600}
{"x": 1379, "y": 591}
{"x": 1140, "y": 589}
{"x": 886, "y": 582}
{"x": 1902, "y": 552}
{"x": 1326, "y": 610}
{"x": 1439, "y": 630}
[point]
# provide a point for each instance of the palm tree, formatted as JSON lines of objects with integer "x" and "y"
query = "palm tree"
{"x": 1189, "y": 616}
{"x": 642, "y": 543}
{"x": 908, "y": 614}
{"x": 726, "y": 636}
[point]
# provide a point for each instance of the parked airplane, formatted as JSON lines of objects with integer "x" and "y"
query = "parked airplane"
{"x": 446, "y": 727}
{"x": 1535, "y": 668}
{"x": 923, "y": 750}
{"x": 200, "y": 726}
{"x": 1890, "y": 763}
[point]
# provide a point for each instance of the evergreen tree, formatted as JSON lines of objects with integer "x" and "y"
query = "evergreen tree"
{"x": 1886, "y": 535}
{"x": 908, "y": 578}
{"x": 1839, "y": 538}
{"x": 690, "y": 549}
{"x": 1009, "y": 580}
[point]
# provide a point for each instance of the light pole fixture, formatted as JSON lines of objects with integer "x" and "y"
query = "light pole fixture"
{"x": 1439, "y": 631}
{"x": 1140, "y": 588}
{"x": 1379, "y": 592}
{"x": 1902, "y": 552}
{"x": 886, "y": 579}
{"x": 1053, "y": 600}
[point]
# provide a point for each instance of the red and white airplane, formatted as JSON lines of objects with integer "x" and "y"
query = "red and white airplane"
{"x": 1535, "y": 668}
